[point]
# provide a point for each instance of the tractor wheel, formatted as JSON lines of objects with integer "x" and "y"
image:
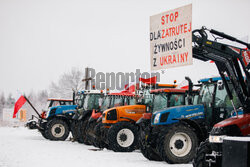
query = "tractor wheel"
{"x": 177, "y": 144}
{"x": 57, "y": 129}
{"x": 44, "y": 134}
{"x": 200, "y": 158}
{"x": 98, "y": 141}
{"x": 90, "y": 132}
{"x": 123, "y": 137}
{"x": 147, "y": 150}
{"x": 74, "y": 130}
{"x": 82, "y": 138}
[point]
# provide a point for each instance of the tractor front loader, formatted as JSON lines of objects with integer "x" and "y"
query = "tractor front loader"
{"x": 232, "y": 63}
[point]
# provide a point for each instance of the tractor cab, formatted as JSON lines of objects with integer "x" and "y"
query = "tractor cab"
{"x": 211, "y": 105}
{"x": 79, "y": 99}
{"x": 213, "y": 96}
{"x": 160, "y": 99}
{"x": 113, "y": 100}
{"x": 51, "y": 102}
{"x": 86, "y": 102}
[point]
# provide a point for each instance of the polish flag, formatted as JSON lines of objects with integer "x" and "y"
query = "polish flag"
{"x": 130, "y": 88}
{"x": 19, "y": 103}
{"x": 149, "y": 81}
{"x": 183, "y": 85}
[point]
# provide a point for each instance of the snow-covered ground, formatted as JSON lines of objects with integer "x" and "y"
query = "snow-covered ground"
{"x": 21, "y": 147}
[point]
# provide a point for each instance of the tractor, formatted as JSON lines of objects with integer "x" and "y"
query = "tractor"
{"x": 175, "y": 138}
{"x": 173, "y": 133}
{"x": 92, "y": 101}
{"x": 233, "y": 62}
{"x": 119, "y": 130}
{"x": 110, "y": 100}
{"x": 54, "y": 124}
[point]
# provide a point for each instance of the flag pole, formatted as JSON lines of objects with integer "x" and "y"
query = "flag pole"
{"x": 32, "y": 107}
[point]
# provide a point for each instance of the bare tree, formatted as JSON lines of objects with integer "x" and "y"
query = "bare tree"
{"x": 2, "y": 100}
{"x": 10, "y": 101}
{"x": 68, "y": 82}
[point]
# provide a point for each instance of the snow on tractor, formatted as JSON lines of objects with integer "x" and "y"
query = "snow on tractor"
{"x": 118, "y": 130}
{"x": 234, "y": 63}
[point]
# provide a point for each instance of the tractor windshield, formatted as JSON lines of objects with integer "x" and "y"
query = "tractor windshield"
{"x": 160, "y": 102}
{"x": 91, "y": 101}
{"x": 176, "y": 100}
{"x": 206, "y": 93}
{"x": 131, "y": 100}
{"x": 222, "y": 98}
{"x": 106, "y": 103}
{"x": 79, "y": 99}
{"x": 118, "y": 101}
{"x": 52, "y": 103}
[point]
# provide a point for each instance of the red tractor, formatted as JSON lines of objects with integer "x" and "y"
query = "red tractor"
{"x": 233, "y": 64}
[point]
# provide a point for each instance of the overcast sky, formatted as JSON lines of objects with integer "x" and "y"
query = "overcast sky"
{"x": 41, "y": 39}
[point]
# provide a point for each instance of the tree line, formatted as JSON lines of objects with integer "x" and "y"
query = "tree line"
{"x": 63, "y": 88}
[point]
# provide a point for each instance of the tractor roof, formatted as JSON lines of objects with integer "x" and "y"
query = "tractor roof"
{"x": 122, "y": 94}
{"x": 93, "y": 91}
{"x": 212, "y": 79}
{"x": 169, "y": 90}
{"x": 58, "y": 99}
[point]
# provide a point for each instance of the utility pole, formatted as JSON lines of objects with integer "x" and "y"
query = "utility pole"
{"x": 86, "y": 79}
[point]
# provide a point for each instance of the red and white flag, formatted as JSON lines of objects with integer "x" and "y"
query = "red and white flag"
{"x": 149, "y": 81}
{"x": 130, "y": 88}
{"x": 19, "y": 103}
{"x": 183, "y": 85}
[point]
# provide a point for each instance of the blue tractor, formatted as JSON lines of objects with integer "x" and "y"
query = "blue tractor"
{"x": 54, "y": 124}
{"x": 173, "y": 134}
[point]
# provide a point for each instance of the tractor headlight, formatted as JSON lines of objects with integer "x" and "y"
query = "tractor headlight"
{"x": 157, "y": 118}
{"x": 216, "y": 139}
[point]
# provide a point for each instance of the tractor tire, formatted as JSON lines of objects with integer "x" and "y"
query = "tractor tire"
{"x": 177, "y": 144}
{"x": 57, "y": 129}
{"x": 149, "y": 153}
{"x": 44, "y": 134}
{"x": 90, "y": 132}
{"x": 147, "y": 150}
{"x": 74, "y": 130}
{"x": 82, "y": 138}
{"x": 200, "y": 158}
{"x": 123, "y": 137}
{"x": 98, "y": 141}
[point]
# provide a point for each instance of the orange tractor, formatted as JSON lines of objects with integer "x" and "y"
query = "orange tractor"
{"x": 118, "y": 130}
